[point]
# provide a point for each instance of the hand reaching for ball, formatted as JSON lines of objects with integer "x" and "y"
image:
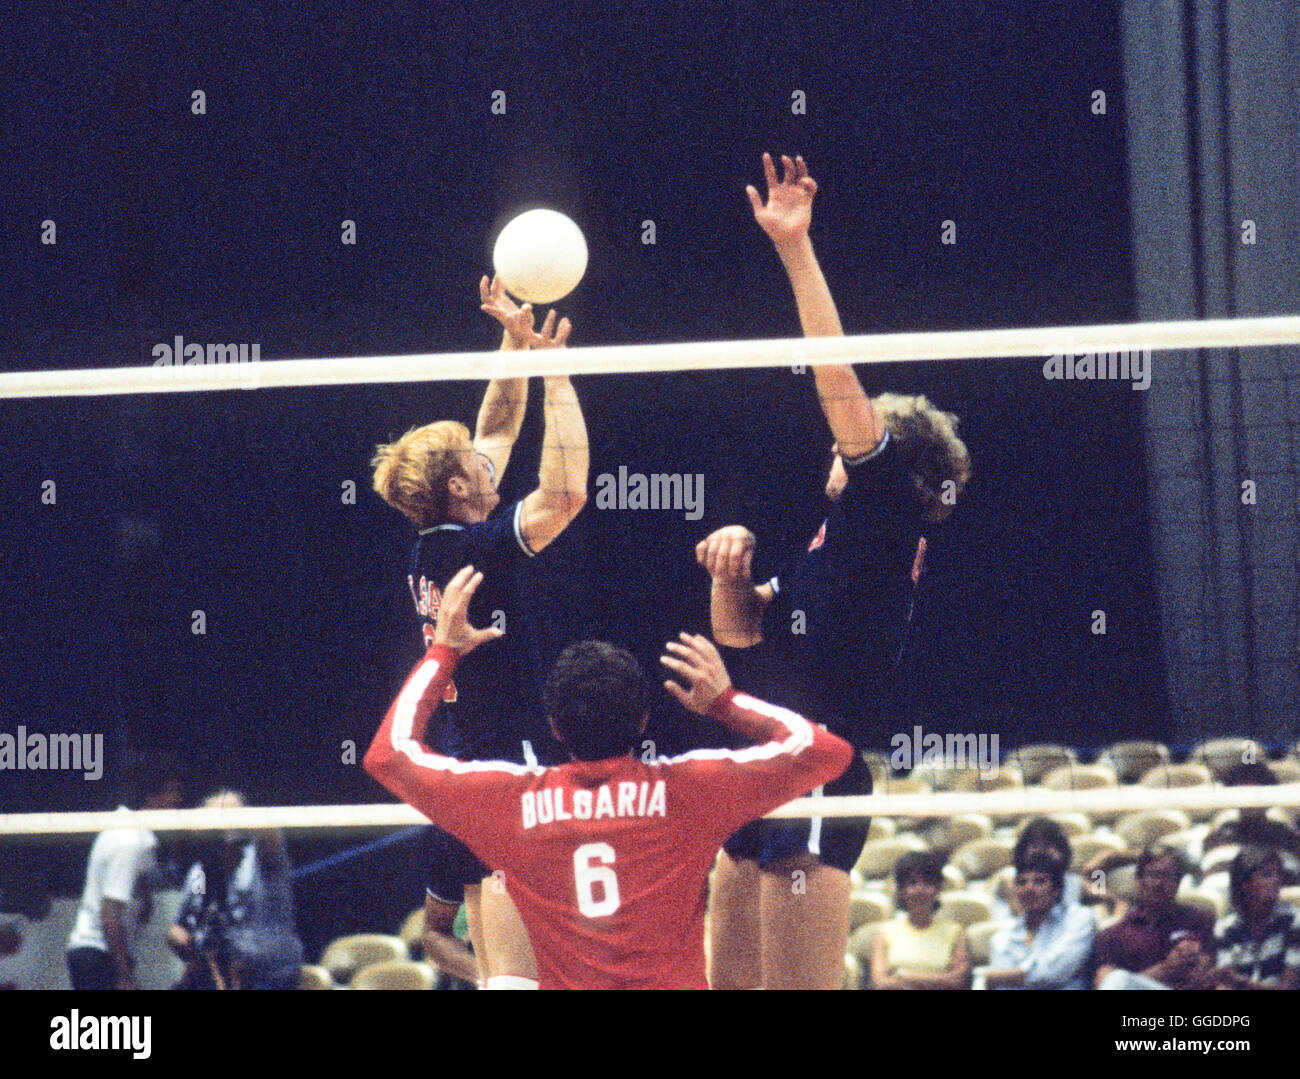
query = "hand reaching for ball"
{"x": 788, "y": 211}
{"x": 518, "y": 320}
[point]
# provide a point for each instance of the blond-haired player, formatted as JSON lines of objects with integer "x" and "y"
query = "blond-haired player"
{"x": 444, "y": 480}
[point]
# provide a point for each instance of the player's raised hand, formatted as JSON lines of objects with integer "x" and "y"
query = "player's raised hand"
{"x": 551, "y": 336}
{"x": 453, "y": 628}
{"x": 697, "y": 662}
{"x": 518, "y": 321}
{"x": 786, "y": 215}
{"x": 728, "y": 553}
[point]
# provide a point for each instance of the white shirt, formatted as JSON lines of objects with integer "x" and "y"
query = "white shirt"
{"x": 123, "y": 865}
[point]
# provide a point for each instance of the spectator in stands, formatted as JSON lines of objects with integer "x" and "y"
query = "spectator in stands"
{"x": 1258, "y": 943}
{"x": 1252, "y": 826}
{"x": 1158, "y": 944}
{"x": 235, "y": 928}
{"x": 120, "y": 879}
{"x": 919, "y": 949}
{"x": 1044, "y": 836}
{"x": 1050, "y": 945}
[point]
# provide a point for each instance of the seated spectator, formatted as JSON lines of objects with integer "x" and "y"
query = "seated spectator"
{"x": 1041, "y": 835}
{"x": 1050, "y": 944}
{"x": 919, "y": 949}
{"x": 1258, "y": 943}
{"x": 1252, "y": 826}
{"x": 235, "y": 928}
{"x": 1158, "y": 944}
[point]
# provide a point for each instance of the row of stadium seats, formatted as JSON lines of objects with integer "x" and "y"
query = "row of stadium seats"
{"x": 1057, "y": 767}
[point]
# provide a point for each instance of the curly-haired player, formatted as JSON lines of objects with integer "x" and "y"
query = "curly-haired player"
{"x": 833, "y": 625}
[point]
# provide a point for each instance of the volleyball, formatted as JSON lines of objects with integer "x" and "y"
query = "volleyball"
{"x": 541, "y": 256}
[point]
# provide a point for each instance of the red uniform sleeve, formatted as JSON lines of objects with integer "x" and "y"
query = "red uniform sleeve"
{"x": 734, "y": 786}
{"x": 476, "y": 801}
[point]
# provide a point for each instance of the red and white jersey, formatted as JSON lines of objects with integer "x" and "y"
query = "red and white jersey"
{"x": 607, "y": 861}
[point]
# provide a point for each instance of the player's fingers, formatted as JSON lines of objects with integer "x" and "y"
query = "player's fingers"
{"x": 484, "y": 289}
{"x": 769, "y": 172}
{"x": 562, "y": 334}
{"x": 801, "y": 170}
{"x": 701, "y": 549}
{"x": 809, "y": 185}
{"x": 678, "y": 666}
{"x": 788, "y": 166}
{"x": 747, "y": 567}
{"x": 754, "y": 201}
{"x": 548, "y": 325}
{"x": 676, "y": 691}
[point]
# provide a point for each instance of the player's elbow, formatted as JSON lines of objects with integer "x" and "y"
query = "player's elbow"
{"x": 376, "y": 762}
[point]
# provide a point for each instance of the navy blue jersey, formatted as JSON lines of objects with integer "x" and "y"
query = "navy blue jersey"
{"x": 494, "y": 702}
{"x": 838, "y": 622}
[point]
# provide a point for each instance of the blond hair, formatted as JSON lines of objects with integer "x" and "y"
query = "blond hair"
{"x": 936, "y": 458}
{"x": 411, "y": 474}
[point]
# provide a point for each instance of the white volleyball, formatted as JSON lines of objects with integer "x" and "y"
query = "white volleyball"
{"x": 541, "y": 256}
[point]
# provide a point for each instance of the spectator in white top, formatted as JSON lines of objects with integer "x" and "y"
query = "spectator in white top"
{"x": 120, "y": 879}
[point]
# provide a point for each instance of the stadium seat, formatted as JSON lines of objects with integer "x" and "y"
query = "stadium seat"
{"x": 1087, "y": 847}
{"x": 949, "y": 833}
{"x": 936, "y": 777}
{"x": 868, "y": 907}
{"x": 882, "y": 828}
{"x": 852, "y": 972}
{"x": 412, "y": 931}
{"x": 1219, "y": 859}
{"x": 896, "y": 784}
{"x": 979, "y": 939}
{"x": 1291, "y": 894}
{"x": 972, "y": 780}
{"x": 347, "y": 955}
{"x": 860, "y": 943}
{"x": 981, "y": 858}
{"x": 1204, "y": 899}
{"x": 310, "y": 977}
{"x": 1287, "y": 770}
{"x": 1148, "y": 826}
{"x": 1132, "y": 760}
{"x": 966, "y": 908}
{"x": 879, "y": 856}
{"x": 1121, "y": 883}
{"x": 1080, "y": 777}
{"x": 1221, "y": 755}
{"x": 394, "y": 974}
{"x": 1192, "y": 774}
{"x": 1037, "y": 760}
{"x": 1072, "y": 824}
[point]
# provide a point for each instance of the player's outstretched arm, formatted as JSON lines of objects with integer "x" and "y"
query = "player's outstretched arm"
{"x": 501, "y": 415}
{"x": 562, "y": 474}
{"x": 396, "y": 757}
{"x": 786, "y": 217}
{"x": 735, "y": 603}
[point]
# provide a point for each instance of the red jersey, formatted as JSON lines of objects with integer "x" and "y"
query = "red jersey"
{"x": 607, "y": 861}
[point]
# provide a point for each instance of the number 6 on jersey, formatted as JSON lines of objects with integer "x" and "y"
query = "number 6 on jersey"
{"x": 587, "y": 875}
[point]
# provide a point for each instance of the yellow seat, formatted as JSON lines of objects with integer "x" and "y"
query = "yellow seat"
{"x": 1037, "y": 760}
{"x": 347, "y": 955}
{"x": 1072, "y": 824}
{"x": 1132, "y": 760}
{"x": 1192, "y": 774}
{"x": 979, "y": 939}
{"x": 1086, "y": 847}
{"x": 879, "y": 856}
{"x": 412, "y": 930}
{"x": 1221, "y": 755}
{"x": 1148, "y": 826}
{"x": 949, "y": 833}
{"x": 1287, "y": 770}
{"x": 981, "y": 858}
{"x": 966, "y": 908}
{"x": 1080, "y": 777}
{"x": 310, "y": 977}
{"x": 882, "y": 828}
{"x": 1204, "y": 899}
{"x": 972, "y": 780}
{"x": 394, "y": 974}
{"x": 868, "y": 907}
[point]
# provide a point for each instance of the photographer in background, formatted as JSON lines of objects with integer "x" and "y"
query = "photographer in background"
{"x": 235, "y": 928}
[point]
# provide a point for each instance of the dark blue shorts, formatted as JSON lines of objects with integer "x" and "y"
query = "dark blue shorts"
{"x": 836, "y": 841}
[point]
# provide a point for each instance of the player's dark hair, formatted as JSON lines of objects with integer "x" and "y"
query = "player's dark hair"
{"x": 596, "y": 697}
{"x": 926, "y": 865}
{"x": 1043, "y": 832}
{"x": 1040, "y": 861}
{"x": 1249, "y": 861}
